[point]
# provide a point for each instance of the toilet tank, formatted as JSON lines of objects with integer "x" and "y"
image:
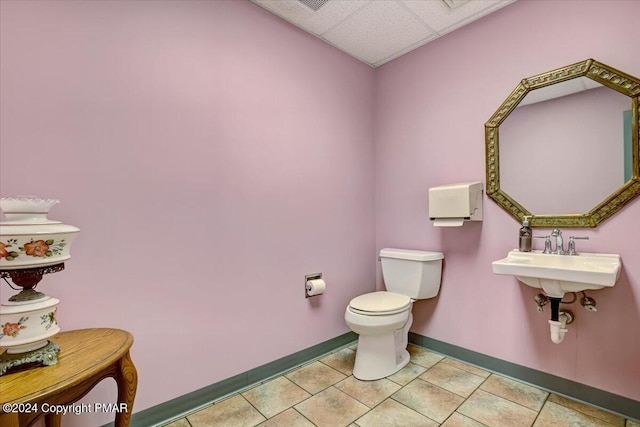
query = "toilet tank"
{"x": 416, "y": 274}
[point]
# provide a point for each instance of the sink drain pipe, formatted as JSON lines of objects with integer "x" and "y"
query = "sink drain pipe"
{"x": 558, "y": 322}
{"x": 555, "y": 308}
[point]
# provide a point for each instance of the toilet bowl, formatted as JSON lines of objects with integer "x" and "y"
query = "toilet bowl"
{"x": 382, "y": 319}
{"x": 383, "y": 327}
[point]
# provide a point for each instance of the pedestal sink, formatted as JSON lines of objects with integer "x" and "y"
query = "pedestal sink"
{"x": 557, "y": 274}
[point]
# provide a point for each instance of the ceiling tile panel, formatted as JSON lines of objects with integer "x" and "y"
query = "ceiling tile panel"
{"x": 378, "y": 31}
{"x": 329, "y": 15}
{"x": 443, "y": 19}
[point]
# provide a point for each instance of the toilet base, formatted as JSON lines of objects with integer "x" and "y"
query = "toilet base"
{"x": 379, "y": 356}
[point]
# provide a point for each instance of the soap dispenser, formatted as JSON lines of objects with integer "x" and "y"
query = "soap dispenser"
{"x": 525, "y": 236}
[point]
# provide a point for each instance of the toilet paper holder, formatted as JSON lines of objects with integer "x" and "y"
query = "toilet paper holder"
{"x": 308, "y": 277}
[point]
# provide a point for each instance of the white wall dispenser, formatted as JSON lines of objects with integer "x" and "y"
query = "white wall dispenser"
{"x": 451, "y": 205}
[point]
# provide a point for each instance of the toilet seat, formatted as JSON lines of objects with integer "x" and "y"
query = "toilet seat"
{"x": 381, "y": 303}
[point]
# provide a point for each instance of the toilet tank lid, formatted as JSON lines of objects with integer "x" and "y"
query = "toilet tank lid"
{"x": 410, "y": 254}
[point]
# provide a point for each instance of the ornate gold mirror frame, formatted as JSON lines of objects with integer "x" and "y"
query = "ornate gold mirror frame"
{"x": 601, "y": 73}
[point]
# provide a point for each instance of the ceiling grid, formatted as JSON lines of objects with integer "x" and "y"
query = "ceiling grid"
{"x": 378, "y": 31}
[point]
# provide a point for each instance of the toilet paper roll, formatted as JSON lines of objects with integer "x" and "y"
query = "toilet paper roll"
{"x": 315, "y": 287}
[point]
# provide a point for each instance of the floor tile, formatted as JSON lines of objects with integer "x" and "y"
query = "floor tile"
{"x": 495, "y": 411}
{"x": 275, "y": 396}
{"x": 315, "y": 377}
{"x": 423, "y": 357}
{"x": 428, "y": 399}
{"x": 466, "y": 367}
{"x": 450, "y": 378}
{"x": 288, "y": 418}
{"x": 370, "y": 393}
{"x": 553, "y": 415}
{"x": 392, "y": 413}
{"x": 429, "y": 390}
{"x": 588, "y": 410}
{"x": 458, "y": 420}
{"x": 523, "y": 394}
{"x": 331, "y": 408}
{"x": 407, "y": 374}
{"x": 342, "y": 360}
{"x": 235, "y": 411}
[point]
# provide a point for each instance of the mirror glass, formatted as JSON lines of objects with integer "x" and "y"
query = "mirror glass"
{"x": 563, "y": 148}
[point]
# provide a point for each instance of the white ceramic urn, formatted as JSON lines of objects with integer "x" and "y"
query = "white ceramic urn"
{"x": 30, "y": 245}
{"x": 28, "y": 238}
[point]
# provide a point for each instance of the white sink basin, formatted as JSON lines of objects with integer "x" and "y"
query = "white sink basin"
{"x": 557, "y": 274}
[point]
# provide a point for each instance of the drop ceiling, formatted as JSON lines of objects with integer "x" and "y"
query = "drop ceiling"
{"x": 378, "y": 31}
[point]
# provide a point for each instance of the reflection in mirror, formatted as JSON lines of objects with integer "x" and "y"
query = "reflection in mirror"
{"x": 564, "y": 147}
{"x": 564, "y": 154}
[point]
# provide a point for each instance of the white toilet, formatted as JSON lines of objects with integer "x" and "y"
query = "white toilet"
{"x": 382, "y": 319}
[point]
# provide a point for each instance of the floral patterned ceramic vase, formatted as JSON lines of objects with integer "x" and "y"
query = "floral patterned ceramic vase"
{"x": 26, "y": 327}
{"x": 28, "y": 238}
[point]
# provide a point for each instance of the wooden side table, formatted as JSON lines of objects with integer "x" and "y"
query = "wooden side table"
{"x": 86, "y": 357}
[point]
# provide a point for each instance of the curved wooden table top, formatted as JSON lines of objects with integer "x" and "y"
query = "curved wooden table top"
{"x": 83, "y": 353}
{"x": 86, "y": 357}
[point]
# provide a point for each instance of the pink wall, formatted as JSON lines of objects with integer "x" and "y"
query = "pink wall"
{"x": 431, "y": 106}
{"x": 212, "y": 155}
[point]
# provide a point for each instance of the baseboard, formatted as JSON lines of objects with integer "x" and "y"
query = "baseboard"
{"x": 620, "y": 405}
{"x": 180, "y": 406}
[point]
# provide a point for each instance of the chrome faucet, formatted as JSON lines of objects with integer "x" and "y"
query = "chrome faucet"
{"x": 559, "y": 250}
{"x": 572, "y": 244}
{"x": 547, "y": 243}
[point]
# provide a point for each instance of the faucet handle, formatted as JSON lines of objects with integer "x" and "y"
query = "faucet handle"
{"x": 572, "y": 243}
{"x": 547, "y": 243}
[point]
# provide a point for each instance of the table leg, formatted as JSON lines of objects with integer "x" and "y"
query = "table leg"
{"x": 9, "y": 419}
{"x": 127, "y": 380}
{"x": 53, "y": 420}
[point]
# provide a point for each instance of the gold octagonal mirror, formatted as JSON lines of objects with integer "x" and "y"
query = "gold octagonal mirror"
{"x": 563, "y": 148}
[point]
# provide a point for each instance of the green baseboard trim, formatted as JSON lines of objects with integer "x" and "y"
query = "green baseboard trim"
{"x": 182, "y": 405}
{"x": 620, "y": 405}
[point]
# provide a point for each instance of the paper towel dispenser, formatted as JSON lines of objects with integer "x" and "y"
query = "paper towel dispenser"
{"x": 451, "y": 205}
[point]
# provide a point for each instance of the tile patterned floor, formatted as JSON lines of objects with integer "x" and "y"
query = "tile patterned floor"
{"x": 431, "y": 390}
